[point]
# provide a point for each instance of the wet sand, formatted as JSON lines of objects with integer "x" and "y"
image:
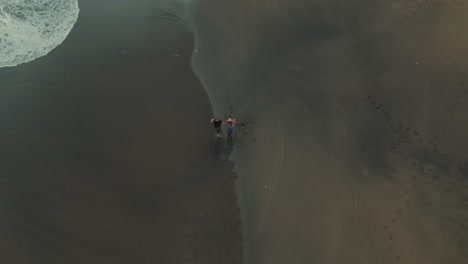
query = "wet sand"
{"x": 355, "y": 146}
{"x": 353, "y": 150}
{"x": 106, "y": 148}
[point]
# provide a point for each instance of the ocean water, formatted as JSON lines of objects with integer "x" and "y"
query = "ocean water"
{"x": 354, "y": 149}
{"x": 105, "y": 141}
{"x": 31, "y": 29}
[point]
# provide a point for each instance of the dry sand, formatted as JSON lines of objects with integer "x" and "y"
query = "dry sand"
{"x": 355, "y": 149}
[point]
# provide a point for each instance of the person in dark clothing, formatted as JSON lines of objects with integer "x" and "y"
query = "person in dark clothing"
{"x": 217, "y": 123}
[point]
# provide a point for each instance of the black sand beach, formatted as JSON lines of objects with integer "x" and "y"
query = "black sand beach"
{"x": 105, "y": 148}
{"x": 352, "y": 148}
{"x": 355, "y": 150}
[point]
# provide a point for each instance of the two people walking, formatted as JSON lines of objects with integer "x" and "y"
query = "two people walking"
{"x": 218, "y": 123}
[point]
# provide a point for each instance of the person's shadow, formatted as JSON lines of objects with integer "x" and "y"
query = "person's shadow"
{"x": 217, "y": 147}
{"x": 222, "y": 147}
{"x": 229, "y": 145}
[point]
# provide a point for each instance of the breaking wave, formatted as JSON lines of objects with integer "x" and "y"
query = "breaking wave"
{"x": 30, "y": 29}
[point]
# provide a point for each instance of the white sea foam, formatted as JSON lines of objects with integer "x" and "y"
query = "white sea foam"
{"x": 30, "y": 29}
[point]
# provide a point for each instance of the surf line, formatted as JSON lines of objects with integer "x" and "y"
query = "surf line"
{"x": 335, "y": 175}
{"x": 278, "y": 173}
